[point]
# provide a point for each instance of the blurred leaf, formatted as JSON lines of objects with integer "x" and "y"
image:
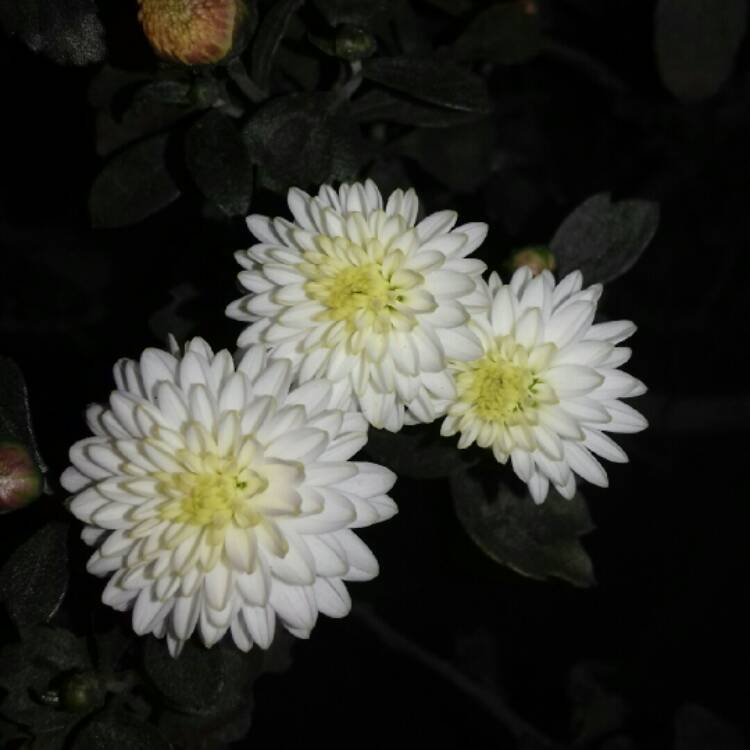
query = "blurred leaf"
{"x": 505, "y": 33}
{"x": 359, "y": 12}
{"x": 378, "y": 105}
{"x": 604, "y": 239}
{"x": 697, "y": 728}
{"x": 217, "y": 158}
{"x": 34, "y": 666}
{"x": 538, "y": 541}
{"x": 433, "y": 81}
{"x": 169, "y": 319}
{"x": 597, "y": 710}
{"x": 15, "y": 415}
{"x": 413, "y": 453}
{"x": 454, "y": 7}
{"x": 696, "y": 44}
{"x": 107, "y": 731}
{"x": 34, "y": 579}
{"x": 465, "y": 153}
{"x": 69, "y": 32}
{"x": 133, "y": 185}
{"x": 270, "y": 33}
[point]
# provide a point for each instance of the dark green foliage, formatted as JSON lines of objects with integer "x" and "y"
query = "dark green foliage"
{"x": 505, "y": 33}
{"x": 33, "y": 581}
{"x": 133, "y": 185}
{"x": 433, "y": 81}
{"x": 15, "y": 416}
{"x": 697, "y": 728}
{"x": 271, "y": 31}
{"x": 106, "y": 731}
{"x": 415, "y": 453}
{"x": 358, "y": 12}
{"x": 539, "y": 541}
{"x": 696, "y": 42}
{"x": 302, "y": 139}
{"x": 218, "y": 160}
{"x": 33, "y": 673}
{"x": 603, "y": 239}
{"x": 69, "y": 32}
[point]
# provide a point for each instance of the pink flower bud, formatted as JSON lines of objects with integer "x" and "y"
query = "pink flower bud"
{"x": 20, "y": 480}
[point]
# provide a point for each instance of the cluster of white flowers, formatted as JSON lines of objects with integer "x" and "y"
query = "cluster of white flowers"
{"x": 219, "y": 492}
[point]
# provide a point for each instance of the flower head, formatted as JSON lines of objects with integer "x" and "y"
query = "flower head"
{"x": 355, "y": 291}
{"x": 547, "y": 385}
{"x": 193, "y": 32}
{"x": 221, "y": 500}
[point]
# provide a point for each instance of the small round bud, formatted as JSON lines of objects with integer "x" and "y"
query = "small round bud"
{"x": 81, "y": 692}
{"x": 537, "y": 257}
{"x": 193, "y": 32}
{"x": 20, "y": 479}
{"x": 354, "y": 43}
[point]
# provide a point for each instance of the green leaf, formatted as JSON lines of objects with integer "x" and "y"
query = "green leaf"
{"x": 696, "y": 44}
{"x": 69, "y": 32}
{"x": 434, "y": 81}
{"x": 539, "y": 541}
{"x": 133, "y": 185}
{"x": 604, "y": 239}
{"x": 358, "y": 12}
{"x": 34, "y": 579}
{"x": 270, "y": 33}
{"x": 192, "y": 683}
{"x": 697, "y": 728}
{"x": 15, "y": 415}
{"x": 167, "y": 91}
{"x": 217, "y": 158}
{"x": 107, "y": 731}
{"x": 504, "y": 33}
{"x": 378, "y": 105}
{"x": 414, "y": 453}
{"x": 597, "y": 708}
{"x": 465, "y": 153}
{"x": 304, "y": 140}
{"x": 32, "y": 668}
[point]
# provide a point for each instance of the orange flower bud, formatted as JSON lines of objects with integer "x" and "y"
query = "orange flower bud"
{"x": 537, "y": 257}
{"x": 193, "y": 32}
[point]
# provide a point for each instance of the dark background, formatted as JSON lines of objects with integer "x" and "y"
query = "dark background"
{"x": 665, "y": 626}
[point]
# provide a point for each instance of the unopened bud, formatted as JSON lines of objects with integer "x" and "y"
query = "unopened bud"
{"x": 354, "y": 43}
{"x": 81, "y": 692}
{"x": 537, "y": 257}
{"x": 193, "y": 32}
{"x": 20, "y": 479}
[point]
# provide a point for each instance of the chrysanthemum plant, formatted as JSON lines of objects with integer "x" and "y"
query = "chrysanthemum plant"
{"x": 222, "y": 491}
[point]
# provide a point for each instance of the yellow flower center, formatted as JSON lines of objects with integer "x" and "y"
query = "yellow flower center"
{"x": 364, "y": 285}
{"x": 353, "y": 289}
{"x": 213, "y": 499}
{"x": 500, "y": 385}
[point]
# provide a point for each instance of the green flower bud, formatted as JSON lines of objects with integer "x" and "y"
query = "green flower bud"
{"x": 81, "y": 692}
{"x": 354, "y": 43}
{"x": 20, "y": 479}
{"x": 537, "y": 257}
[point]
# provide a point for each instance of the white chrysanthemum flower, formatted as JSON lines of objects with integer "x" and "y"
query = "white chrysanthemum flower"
{"x": 221, "y": 500}
{"x": 355, "y": 292}
{"x": 548, "y": 384}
